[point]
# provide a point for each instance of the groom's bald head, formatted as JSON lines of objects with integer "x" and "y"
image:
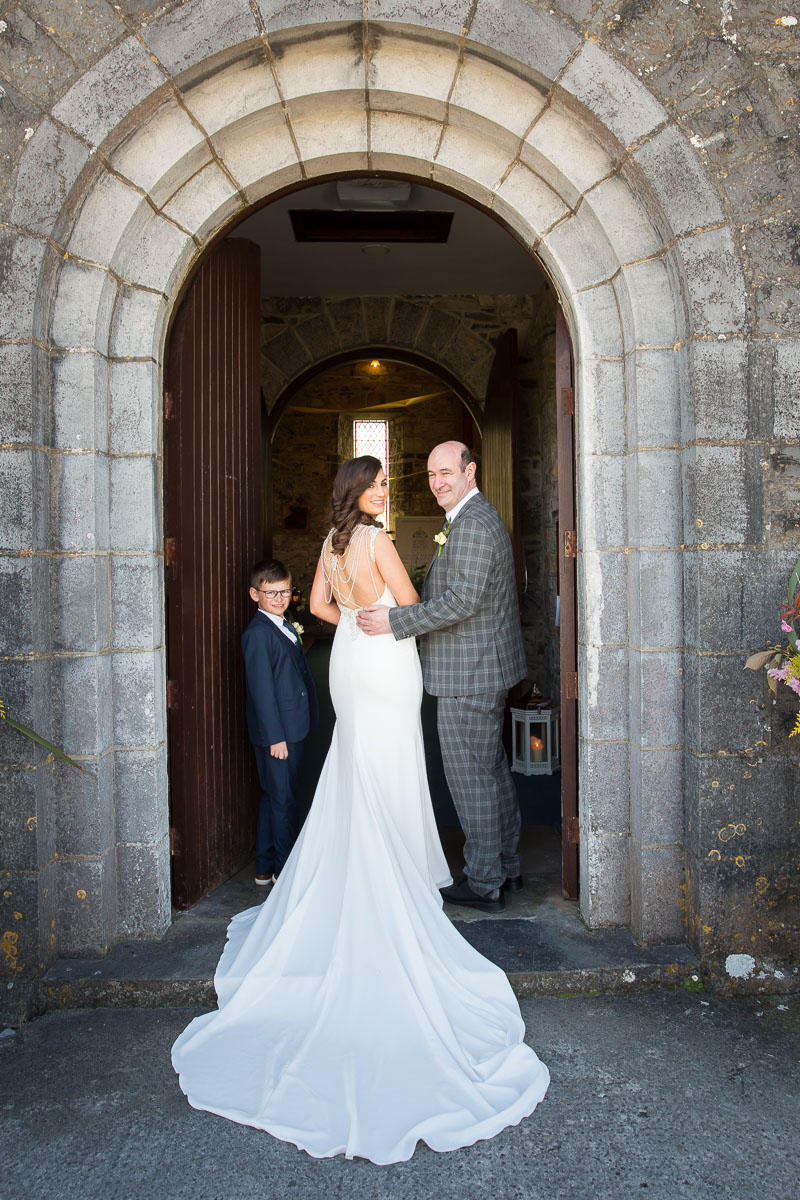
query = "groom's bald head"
{"x": 451, "y": 473}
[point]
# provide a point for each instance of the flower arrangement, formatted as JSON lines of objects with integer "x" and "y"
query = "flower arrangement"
{"x": 782, "y": 662}
{"x": 441, "y": 538}
{"x": 299, "y": 630}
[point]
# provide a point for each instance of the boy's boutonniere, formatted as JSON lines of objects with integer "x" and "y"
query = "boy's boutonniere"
{"x": 441, "y": 537}
{"x": 299, "y": 630}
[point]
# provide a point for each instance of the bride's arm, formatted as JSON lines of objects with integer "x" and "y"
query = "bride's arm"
{"x": 394, "y": 574}
{"x": 325, "y": 609}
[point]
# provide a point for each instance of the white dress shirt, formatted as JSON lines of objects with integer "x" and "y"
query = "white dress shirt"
{"x": 455, "y": 511}
{"x": 279, "y": 621}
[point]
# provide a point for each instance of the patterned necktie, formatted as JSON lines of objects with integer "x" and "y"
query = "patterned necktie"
{"x": 291, "y": 629}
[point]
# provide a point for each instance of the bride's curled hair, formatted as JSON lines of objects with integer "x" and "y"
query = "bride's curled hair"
{"x": 352, "y": 479}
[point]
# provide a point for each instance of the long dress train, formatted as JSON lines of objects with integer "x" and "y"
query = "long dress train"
{"x": 353, "y": 1018}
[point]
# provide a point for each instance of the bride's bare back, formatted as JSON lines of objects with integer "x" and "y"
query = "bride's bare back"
{"x": 353, "y": 579}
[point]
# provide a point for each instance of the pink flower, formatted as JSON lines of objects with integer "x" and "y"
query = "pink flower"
{"x": 786, "y": 627}
{"x": 794, "y": 684}
{"x": 778, "y": 672}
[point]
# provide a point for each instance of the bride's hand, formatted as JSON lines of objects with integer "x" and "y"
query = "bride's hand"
{"x": 374, "y": 620}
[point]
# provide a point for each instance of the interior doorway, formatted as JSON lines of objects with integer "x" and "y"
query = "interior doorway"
{"x": 358, "y": 325}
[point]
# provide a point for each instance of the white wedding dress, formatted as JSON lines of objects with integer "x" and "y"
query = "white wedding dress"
{"x": 353, "y": 1018}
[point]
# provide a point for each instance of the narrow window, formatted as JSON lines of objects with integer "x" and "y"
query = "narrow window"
{"x": 372, "y": 437}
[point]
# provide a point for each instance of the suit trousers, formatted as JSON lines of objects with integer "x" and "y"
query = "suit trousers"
{"x": 477, "y": 772}
{"x": 277, "y": 830}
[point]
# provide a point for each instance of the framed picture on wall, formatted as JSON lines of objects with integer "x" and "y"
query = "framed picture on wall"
{"x": 295, "y": 517}
{"x": 414, "y": 539}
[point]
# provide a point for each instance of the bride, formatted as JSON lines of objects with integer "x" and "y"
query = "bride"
{"x": 353, "y": 1018}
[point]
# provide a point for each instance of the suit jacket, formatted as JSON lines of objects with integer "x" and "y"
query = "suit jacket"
{"x": 469, "y": 610}
{"x": 281, "y": 697}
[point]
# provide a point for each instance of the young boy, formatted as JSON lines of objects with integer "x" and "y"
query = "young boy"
{"x": 281, "y": 709}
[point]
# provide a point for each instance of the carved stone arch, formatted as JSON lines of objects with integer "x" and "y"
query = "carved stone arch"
{"x": 151, "y": 153}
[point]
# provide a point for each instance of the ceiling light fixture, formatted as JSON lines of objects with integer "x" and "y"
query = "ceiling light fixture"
{"x": 375, "y": 251}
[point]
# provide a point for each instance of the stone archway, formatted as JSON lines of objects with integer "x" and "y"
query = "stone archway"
{"x": 150, "y": 155}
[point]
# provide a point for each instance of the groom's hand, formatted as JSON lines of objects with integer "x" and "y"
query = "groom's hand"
{"x": 374, "y": 619}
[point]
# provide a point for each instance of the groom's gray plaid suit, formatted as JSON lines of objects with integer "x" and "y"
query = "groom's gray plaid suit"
{"x": 472, "y": 653}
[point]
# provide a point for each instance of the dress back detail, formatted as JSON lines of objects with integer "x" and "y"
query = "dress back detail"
{"x": 352, "y": 579}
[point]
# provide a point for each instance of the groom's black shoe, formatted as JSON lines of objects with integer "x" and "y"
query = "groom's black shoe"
{"x": 514, "y": 883}
{"x": 461, "y": 893}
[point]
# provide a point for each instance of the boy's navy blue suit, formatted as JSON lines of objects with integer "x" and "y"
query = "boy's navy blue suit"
{"x": 281, "y": 707}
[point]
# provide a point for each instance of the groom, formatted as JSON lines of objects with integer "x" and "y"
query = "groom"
{"x": 472, "y": 653}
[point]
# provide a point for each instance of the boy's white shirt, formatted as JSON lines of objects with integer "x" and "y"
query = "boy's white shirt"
{"x": 289, "y": 633}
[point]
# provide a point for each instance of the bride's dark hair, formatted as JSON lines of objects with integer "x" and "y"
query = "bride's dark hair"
{"x": 352, "y": 478}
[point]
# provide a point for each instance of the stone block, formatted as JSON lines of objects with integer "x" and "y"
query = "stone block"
{"x": 20, "y": 263}
{"x": 138, "y": 324}
{"x": 347, "y": 318}
{"x": 326, "y": 128}
{"x": 134, "y": 407}
{"x": 80, "y": 696}
{"x": 83, "y": 31}
{"x": 24, "y": 687}
{"x": 78, "y": 308}
{"x": 460, "y": 181}
{"x": 19, "y": 820}
{"x": 403, "y": 135}
{"x": 266, "y": 186}
{"x": 440, "y": 328}
{"x": 713, "y": 272}
{"x": 79, "y": 501}
{"x": 143, "y": 874}
{"x": 680, "y": 180}
{"x": 79, "y": 401}
{"x": 579, "y": 252}
{"x": 204, "y": 203}
{"x": 654, "y": 498}
{"x": 134, "y": 503}
{"x": 656, "y": 697}
{"x": 729, "y": 699}
{"x": 78, "y": 607}
{"x": 603, "y": 688}
{"x": 737, "y": 597}
{"x": 631, "y": 230}
{"x": 141, "y": 796}
{"x": 497, "y": 95}
{"x": 32, "y": 61}
{"x": 288, "y": 353}
{"x": 109, "y": 91}
{"x": 532, "y": 199}
{"x": 605, "y": 883}
{"x": 319, "y": 337}
{"x": 600, "y": 414}
{"x": 137, "y": 602}
{"x": 23, "y": 629}
{"x": 605, "y": 787}
{"x": 524, "y": 34}
{"x": 139, "y": 698}
{"x": 410, "y": 66}
{"x": 658, "y": 878}
{"x": 191, "y": 33}
{"x": 599, "y": 330}
{"x": 22, "y": 474}
{"x": 657, "y": 817}
{"x": 787, "y": 389}
{"x": 722, "y": 513}
{"x": 657, "y": 383}
{"x": 565, "y": 155}
{"x": 256, "y": 146}
{"x": 305, "y": 65}
{"x": 154, "y": 253}
{"x": 646, "y": 300}
{"x": 656, "y": 598}
{"x": 17, "y": 418}
{"x": 232, "y": 92}
{"x": 602, "y": 597}
{"x": 448, "y": 15}
{"x": 719, "y": 390}
{"x": 380, "y": 312}
{"x": 47, "y": 172}
{"x": 613, "y": 94}
{"x": 20, "y": 923}
{"x": 85, "y": 806}
{"x": 602, "y": 506}
{"x": 87, "y": 906}
{"x": 164, "y": 150}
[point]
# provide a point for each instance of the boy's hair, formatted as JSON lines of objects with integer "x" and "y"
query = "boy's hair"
{"x": 271, "y": 570}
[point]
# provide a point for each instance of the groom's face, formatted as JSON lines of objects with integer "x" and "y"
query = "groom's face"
{"x": 448, "y": 481}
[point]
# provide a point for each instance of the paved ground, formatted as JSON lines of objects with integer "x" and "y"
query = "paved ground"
{"x": 664, "y": 1095}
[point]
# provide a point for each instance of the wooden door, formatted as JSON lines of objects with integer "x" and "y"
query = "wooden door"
{"x": 500, "y": 437}
{"x": 567, "y": 564}
{"x": 214, "y": 531}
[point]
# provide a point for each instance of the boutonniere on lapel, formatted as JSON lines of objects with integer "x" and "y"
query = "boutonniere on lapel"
{"x": 299, "y": 630}
{"x": 441, "y": 537}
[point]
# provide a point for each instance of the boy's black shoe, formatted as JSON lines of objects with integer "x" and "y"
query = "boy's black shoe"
{"x": 461, "y": 893}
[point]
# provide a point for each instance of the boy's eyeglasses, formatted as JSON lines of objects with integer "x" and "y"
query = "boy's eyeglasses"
{"x": 274, "y": 595}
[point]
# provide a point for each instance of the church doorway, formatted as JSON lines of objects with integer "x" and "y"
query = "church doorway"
{"x": 375, "y": 321}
